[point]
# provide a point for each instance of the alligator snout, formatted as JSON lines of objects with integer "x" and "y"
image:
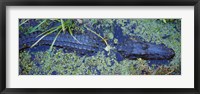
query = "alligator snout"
{"x": 170, "y": 53}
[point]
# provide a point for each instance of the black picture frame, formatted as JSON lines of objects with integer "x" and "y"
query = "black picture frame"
{"x": 4, "y": 3}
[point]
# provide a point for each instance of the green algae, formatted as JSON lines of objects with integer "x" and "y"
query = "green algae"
{"x": 71, "y": 64}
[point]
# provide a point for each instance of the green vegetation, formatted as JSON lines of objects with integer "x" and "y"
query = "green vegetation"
{"x": 70, "y": 64}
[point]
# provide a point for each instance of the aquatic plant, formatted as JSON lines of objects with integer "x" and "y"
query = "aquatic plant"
{"x": 62, "y": 63}
{"x": 25, "y": 63}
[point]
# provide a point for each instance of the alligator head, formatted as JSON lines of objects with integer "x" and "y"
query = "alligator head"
{"x": 145, "y": 50}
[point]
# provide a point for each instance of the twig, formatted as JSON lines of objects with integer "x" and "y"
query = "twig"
{"x": 170, "y": 72}
{"x": 97, "y": 35}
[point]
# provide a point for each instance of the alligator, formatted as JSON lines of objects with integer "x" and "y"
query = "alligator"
{"x": 89, "y": 44}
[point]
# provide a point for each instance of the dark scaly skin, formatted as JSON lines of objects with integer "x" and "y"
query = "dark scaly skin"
{"x": 88, "y": 44}
{"x": 83, "y": 45}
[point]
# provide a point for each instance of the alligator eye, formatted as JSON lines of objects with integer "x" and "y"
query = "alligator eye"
{"x": 145, "y": 46}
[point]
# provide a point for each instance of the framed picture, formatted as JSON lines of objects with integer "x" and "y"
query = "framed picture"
{"x": 90, "y": 46}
